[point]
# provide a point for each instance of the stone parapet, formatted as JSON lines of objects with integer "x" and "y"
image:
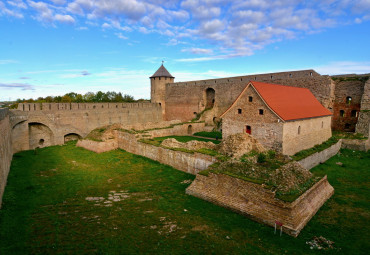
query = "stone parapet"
{"x": 98, "y": 147}
{"x": 6, "y": 151}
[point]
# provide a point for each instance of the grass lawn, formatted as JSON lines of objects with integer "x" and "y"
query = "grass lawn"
{"x": 67, "y": 200}
{"x": 185, "y": 139}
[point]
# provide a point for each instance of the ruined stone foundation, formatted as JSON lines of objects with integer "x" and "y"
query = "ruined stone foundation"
{"x": 260, "y": 204}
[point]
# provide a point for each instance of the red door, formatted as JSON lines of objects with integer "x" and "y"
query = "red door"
{"x": 248, "y": 130}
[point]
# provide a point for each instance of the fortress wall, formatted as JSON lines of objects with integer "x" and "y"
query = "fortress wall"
{"x": 363, "y": 124}
{"x": 187, "y": 162}
{"x": 260, "y": 204}
{"x": 344, "y": 89}
{"x": 185, "y": 98}
{"x": 6, "y": 152}
{"x": 52, "y": 126}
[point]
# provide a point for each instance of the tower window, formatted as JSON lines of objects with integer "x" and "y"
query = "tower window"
{"x": 272, "y": 77}
{"x": 354, "y": 113}
{"x": 250, "y": 99}
{"x": 341, "y": 113}
{"x": 290, "y": 75}
{"x": 261, "y": 111}
{"x": 348, "y": 100}
{"x": 299, "y": 130}
{"x": 239, "y": 111}
{"x": 248, "y": 130}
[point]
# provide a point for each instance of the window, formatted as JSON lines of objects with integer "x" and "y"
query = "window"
{"x": 310, "y": 73}
{"x": 250, "y": 99}
{"x": 347, "y": 126}
{"x": 290, "y": 75}
{"x": 341, "y": 113}
{"x": 353, "y": 113}
{"x": 299, "y": 130}
{"x": 272, "y": 77}
{"x": 248, "y": 130}
{"x": 261, "y": 111}
{"x": 239, "y": 111}
{"x": 348, "y": 100}
{"x": 255, "y": 78}
{"x": 322, "y": 124}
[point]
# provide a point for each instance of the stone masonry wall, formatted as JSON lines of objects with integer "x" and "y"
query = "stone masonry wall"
{"x": 6, "y": 152}
{"x": 98, "y": 147}
{"x": 183, "y": 99}
{"x": 363, "y": 123}
{"x": 260, "y": 204}
{"x": 311, "y": 132}
{"x": 187, "y": 162}
{"x": 320, "y": 157}
{"x": 345, "y": 114}
{"x": 53, "y": 122}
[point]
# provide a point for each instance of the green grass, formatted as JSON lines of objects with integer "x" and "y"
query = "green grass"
{"x": 45, "y": 210}
{"x": 348, "y": 135}
{"x": 213, "y": 134}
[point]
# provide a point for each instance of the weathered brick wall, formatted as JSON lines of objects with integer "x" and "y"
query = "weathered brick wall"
{"x": 6, "y": 152}
{"x": 312, "y": 131}
{"x": 187, "y": 162}
{"x": 344, "y": 89}
{"x": 260, "y": 204}
{"x": 363, "y": 123}
{"x": 266, "y": 128}
{"x": 52, "y": 122}
{"x": 183, "y": 99}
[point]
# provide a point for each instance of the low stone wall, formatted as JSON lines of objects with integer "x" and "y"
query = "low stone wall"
{"x": 320, "y": 157}
{"x": 184, "y": 129}
{"x": 6, "y": 151}
{"x": 354, "y": 144}
{"x": 187, "y": 162}
{"x": 260, "y": 204}
{"x": 98, "y": 147}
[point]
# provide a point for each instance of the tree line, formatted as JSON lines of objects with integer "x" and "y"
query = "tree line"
{"x": 89, "y": 97}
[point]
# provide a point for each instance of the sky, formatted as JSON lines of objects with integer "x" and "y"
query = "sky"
{"x": 50, "y": 48}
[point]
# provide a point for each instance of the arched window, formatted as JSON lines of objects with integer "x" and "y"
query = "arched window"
{"x": 322, "y": 124}
{"x": 250, "y": 99}
{"x": 190, "y": 130}
{"x": 348, "y": 100}
{"x": 353, "y": 113}
{"x": 248, "y": 130}
{"x": 299, "y": 130}
{"x": 341, "y": 113}
{"x": 210, "y": 97}
{"x": 239, "y": 111}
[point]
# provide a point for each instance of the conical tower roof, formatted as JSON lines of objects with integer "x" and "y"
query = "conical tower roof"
{"x": 162, "y": 72}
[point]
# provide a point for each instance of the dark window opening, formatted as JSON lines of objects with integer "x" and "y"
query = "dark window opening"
{"x": 322, "y": 124}
{"x": 354, "y": 113}
{"x": 347, "y": 126}
{"x": 348, "y": 100}
{"x": 116, "y": 106}
{"x": 160, "y": 104}
{"x": 299, "y": 130}
{"x": 341, "y": 113}
{"x": 255, "y": 78}
{"x": 310, "y": 73}
{"x": 41, "y": 142}
{"x": 159, "y": 78}
{"x": 94, "y": 107}
{"x": 261, "y": 111}
{"x": 248, "y": 130}
{"x": 272, "y": 77}
{"x": 210, "y": 98}
{"x": 239, "y": 111}
{"x": 190, "y": 130}
{"x": 250, "y": 99}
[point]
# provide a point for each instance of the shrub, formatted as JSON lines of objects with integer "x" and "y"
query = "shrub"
{"x": 261, "y": 158}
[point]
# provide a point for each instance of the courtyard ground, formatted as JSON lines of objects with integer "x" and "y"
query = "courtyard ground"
{"x": 67, "y": 200}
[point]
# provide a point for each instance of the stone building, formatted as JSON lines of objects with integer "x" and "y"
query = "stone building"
{"x": 284, "y": 118}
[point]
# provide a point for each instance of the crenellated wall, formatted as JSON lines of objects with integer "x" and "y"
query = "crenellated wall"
{"x": 6, "y": 152}
{"x": 40, "y": 125}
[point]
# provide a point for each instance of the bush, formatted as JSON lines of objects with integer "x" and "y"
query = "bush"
{"x": 261, "y": 158}
{"x": 271, "y": 154}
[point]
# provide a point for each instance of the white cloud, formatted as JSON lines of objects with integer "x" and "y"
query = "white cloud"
{"x": 18, "y": 3}
{"x": 344, "y": 67}
{"x": 198, "y": 51}
{"x": 121, "y": 36}
{"x": 7, "y": 61}
{"x": 64, "y": 19}
{"x": 23, "y": 86}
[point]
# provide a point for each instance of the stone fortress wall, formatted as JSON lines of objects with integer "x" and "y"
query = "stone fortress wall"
{"x": 184, "y": 99}
{"x": 6, "y": 152}
{"x": 39, "y": 125}
{"x": 363, "y": 124}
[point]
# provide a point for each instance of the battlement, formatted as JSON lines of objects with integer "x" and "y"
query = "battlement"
{"x": 28, "y": 107}
{"x": 266, "y": 77}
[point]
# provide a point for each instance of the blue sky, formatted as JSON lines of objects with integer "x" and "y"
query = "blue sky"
{"x": 58, "y": 46}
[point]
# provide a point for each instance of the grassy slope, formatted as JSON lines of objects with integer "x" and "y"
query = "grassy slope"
{"x": 45, "y": 210}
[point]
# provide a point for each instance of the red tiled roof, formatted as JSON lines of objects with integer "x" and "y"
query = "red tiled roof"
{"x": 290, "y": 103}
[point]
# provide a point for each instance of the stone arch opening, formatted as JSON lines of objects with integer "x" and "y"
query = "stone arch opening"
{"x": 71, "y": 137}
{"x": 40, "y": 135}
{"x": 190, "y": 130}
{"x": 348, "y": 100}
{"x": 210, "y": 95}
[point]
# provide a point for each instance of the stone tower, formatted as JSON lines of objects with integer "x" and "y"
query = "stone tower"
{"x": 158, "y": 83}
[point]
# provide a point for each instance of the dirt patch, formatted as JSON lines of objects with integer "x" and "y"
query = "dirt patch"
{"x": 239, "y": 144}
{"x": 191, "y": 145}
